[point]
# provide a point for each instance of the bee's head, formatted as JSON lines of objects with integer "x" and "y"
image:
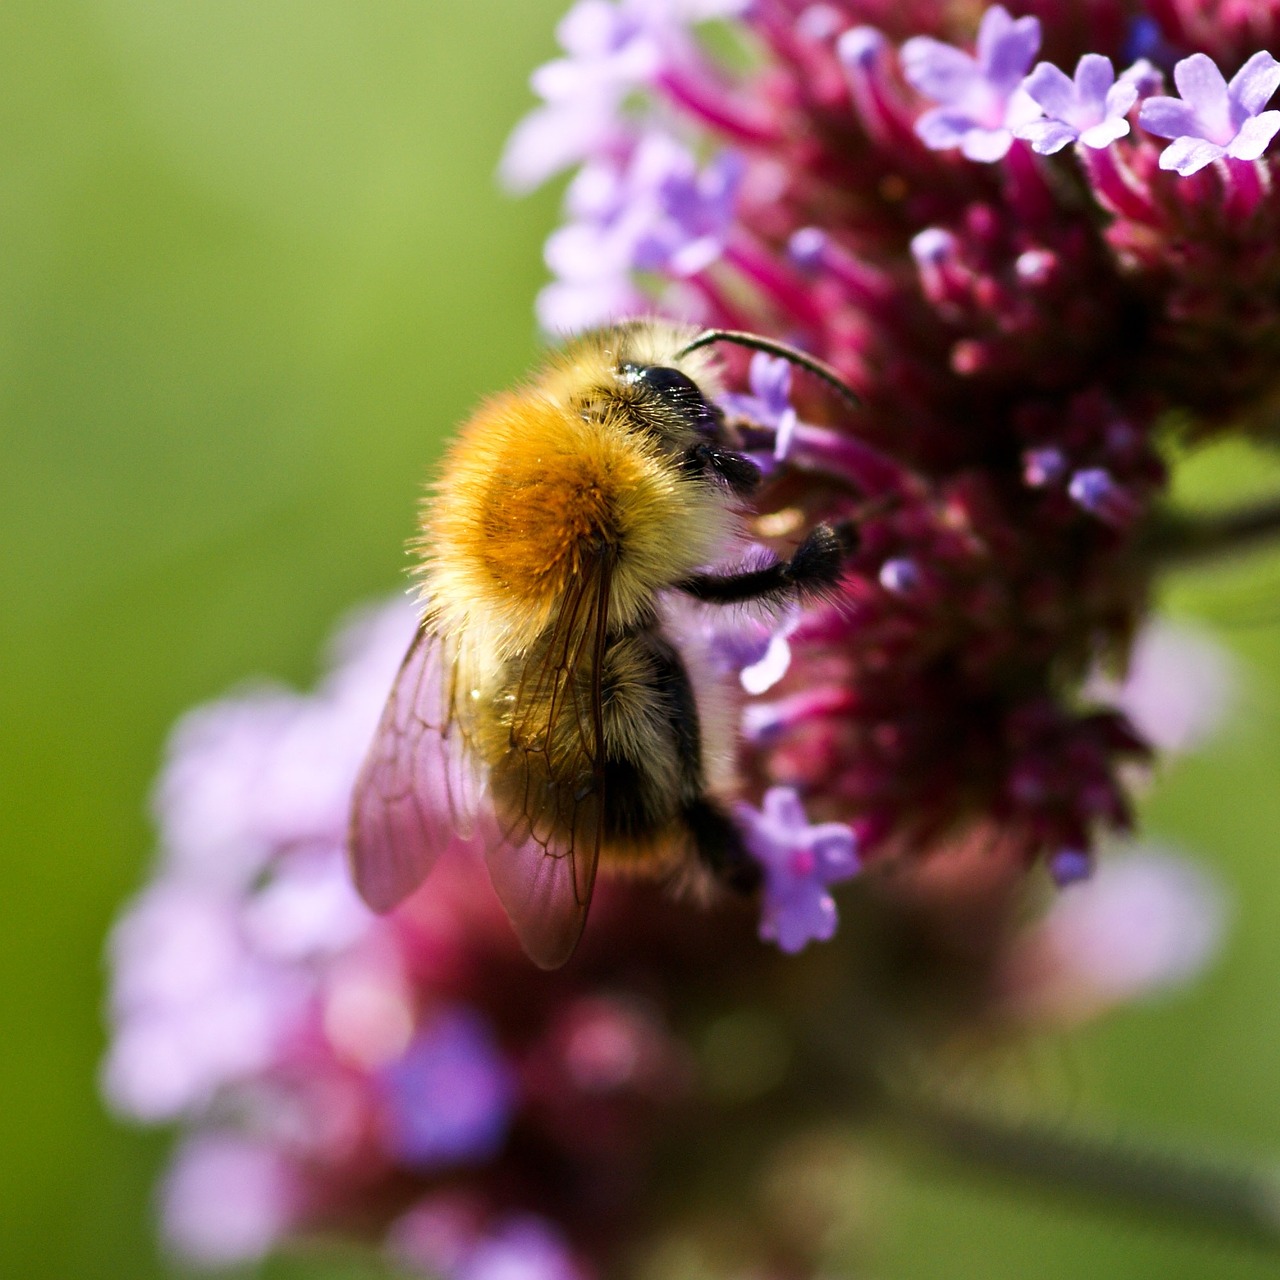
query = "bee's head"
{"x": 674, "y": 393}
{"x": 668, "y": 402}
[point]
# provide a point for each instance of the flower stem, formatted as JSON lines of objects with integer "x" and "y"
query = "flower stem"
{"x": 1178, "y": 538}
{"x": 1236, "y": 1200}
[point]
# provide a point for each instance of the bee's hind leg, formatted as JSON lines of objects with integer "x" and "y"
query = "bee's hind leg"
{"x": 721, "y": 848}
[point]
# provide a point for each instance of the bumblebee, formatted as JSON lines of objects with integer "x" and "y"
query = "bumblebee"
{"x": 542, "y": 710}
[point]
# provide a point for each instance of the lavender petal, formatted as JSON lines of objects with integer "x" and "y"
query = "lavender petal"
{"x": 1168, "y": 118}
{"x": 1006, "y": 46}
{"x": 942, "y": 130}
{"x": 1105, "y": 133}
{"x": 1119, "y": 100}
{"x": 1145, "y": 76}
{"x": 1201, "y": 85}
{"x": 1052, "y": 89}
{"x": 1186, "y": 156}
{"x": 551, "y": 139}
{"x": 1255, "y": 82}
{"x": 939, "y": 71}
{"x": 1255, "y": 136}
{"x": 783, "y": 808}
{"x": 1047, "y": 136}
{"x": 986, "y": 145}
{"x": 1094, "y": 78}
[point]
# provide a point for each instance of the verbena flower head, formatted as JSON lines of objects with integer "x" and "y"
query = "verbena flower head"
{"x": 1025, "y": 323}
{"x": 413, "y": 1080}
{"x": 1020, "y": 321}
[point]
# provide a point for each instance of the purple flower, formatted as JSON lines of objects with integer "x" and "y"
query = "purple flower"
{"x": 1145, "y": 921}
{"x": 900, "y": 575}
{"x": 657, "y": 211}
{"x": 1096, "y": 491}
{"x": 752, "y": 649}
{"x": 444, "y": 1236}
{"x": 1042, "y": 467}
{"x": 1070, "y": 866}
{"x": 450, "y": 1096}
{"x": 769, "y": 403}
{"x": 799, "y": 862}
{"x": 228, "y": 1199}
{"x": 609, "y": 55}
{"x": 612, "y": 50}
{"x": 1178, "y": 689}
{"x": 247, "y": 776}
{"x": 523, "y": 1248}
{"x": 1090, "y": 109}
{"x": 1214, "y": 118}
{"x": 195, "y": 1008}
{"x": 982, "y": 101}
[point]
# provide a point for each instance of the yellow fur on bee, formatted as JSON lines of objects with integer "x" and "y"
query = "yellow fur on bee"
{"x": 531, "y": 492}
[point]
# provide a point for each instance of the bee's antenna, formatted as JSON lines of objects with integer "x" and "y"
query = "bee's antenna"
{"x": 740, "y": 338}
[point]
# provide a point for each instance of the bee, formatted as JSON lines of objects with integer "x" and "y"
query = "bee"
{"x": 542, "y": 711}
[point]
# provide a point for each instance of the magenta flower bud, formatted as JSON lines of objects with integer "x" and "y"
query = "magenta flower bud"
{"x": 1097, "y": 492}
{"x": 901, "y": 576}
{"x": 1068, "y": 866}
{"x": 1043, "y": 467}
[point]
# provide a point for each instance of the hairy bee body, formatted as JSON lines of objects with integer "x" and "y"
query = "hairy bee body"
{"x": 539, "y": 490}
{"x": 541, "y": 481}
{"x": 543, "y": 709}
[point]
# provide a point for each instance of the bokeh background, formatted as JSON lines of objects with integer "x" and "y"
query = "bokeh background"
{"x": 253, "y": 265}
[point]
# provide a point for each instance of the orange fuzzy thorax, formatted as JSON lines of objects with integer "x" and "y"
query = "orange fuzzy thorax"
{"x": 531, "y": 492}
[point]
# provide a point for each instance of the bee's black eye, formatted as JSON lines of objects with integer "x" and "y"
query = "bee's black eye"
{"x": 670, "y": 384}
{"x": 677, "y": 390}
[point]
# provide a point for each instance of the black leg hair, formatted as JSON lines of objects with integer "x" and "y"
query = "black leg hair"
{"x": 721, "y": 848}
{"x": 813, "y": 569}
{"x": 739, "y": 473}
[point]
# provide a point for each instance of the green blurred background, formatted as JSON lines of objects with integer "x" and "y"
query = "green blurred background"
{"x": 253, "y": 265}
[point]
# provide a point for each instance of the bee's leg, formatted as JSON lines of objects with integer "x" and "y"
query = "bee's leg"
{"x": 740, "y": 474}
{"x": 721, "y": 848}
{"x": 716, "y": 838}
{"x": 813, "y": 569}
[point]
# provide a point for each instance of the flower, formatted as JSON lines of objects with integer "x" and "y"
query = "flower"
{"x": 657, "y": 211}
{"x": 450, "y": 1095}
{"x": 982, "y": 98}
{"x": 1090, "y": 109}
{"x": 800, "y": 861}
{"x": 612, "y": 49}
{"x": 1214, "y": 119}
{"x": 1020, "y": 335}
{"x": 768, "y": 406}
{"x": 1179, "y": 687}
{"x": 228, "y": 1198}
{"x": 1147, "y": 921}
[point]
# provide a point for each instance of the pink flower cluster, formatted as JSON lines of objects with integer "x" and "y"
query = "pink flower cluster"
{"x": 1032, "y": 273}
{"x": 413, "y": 1081}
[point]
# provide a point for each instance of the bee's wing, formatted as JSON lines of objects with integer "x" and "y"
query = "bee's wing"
{"x": 543, "y": 857}
{"x": 420, "y": 784}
